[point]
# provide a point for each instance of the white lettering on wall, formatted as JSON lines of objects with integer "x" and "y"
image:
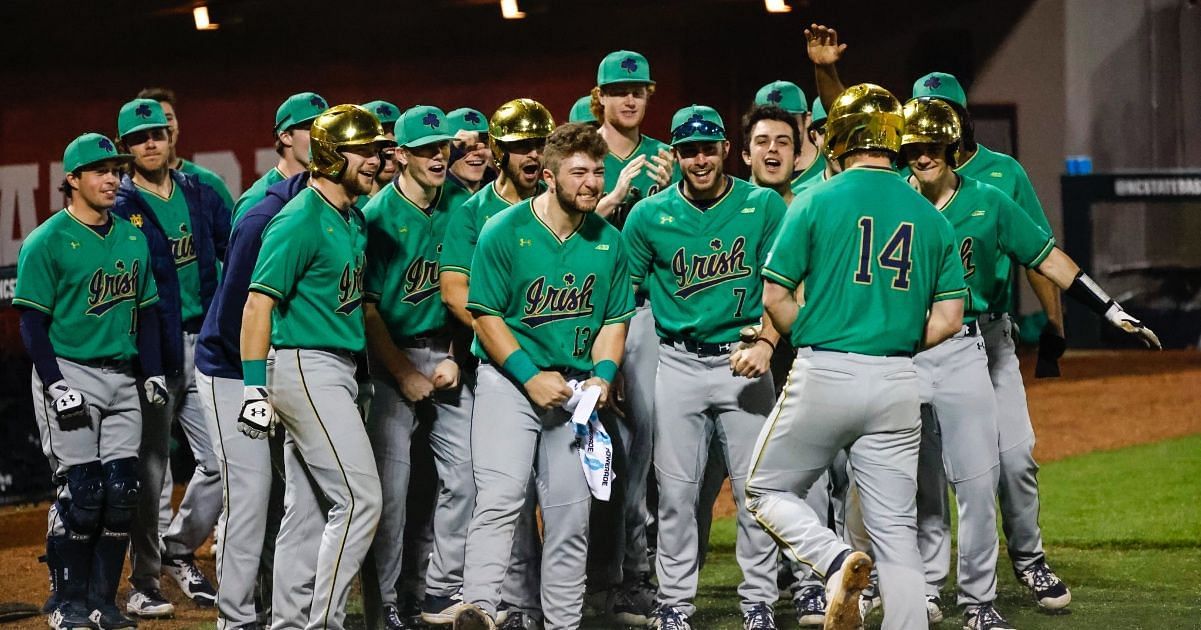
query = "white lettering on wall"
{"x": 18, "y": 216}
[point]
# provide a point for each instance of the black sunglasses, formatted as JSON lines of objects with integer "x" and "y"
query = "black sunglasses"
{"x": 695, "y": 128}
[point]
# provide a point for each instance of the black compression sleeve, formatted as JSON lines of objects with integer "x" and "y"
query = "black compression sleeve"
{"x": 149, "y": 342}
{"x": 1085, "y": 291}
{"x": 35, "y": 333}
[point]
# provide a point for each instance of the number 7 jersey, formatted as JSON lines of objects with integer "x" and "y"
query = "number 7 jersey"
{"x": 873, "y": 255}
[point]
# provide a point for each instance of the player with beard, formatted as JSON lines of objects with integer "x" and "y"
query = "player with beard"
{"x": 469, "y": 151}
{"x": 387, "y": 114}
{"x": 551, "y": 297}
{"x": 292, "y": 121}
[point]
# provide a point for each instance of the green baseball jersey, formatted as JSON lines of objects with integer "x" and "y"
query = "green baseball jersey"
{"x": 404, "y": 242}
{"x": 463, "y": 229}
{"x": 701, "y": 267}
{"x": 208, "y": 178}
{"x": 873, "y": 254}
{"x": 797, "y": 189}
{"x": 1004, "y": 172}
{"x": 90, "y": 285}
{"x": 990, "y": 228}
{"x": 312, "y": 262}
{"x": 554, "y": 295}
{"x": 814, "y": 173}
{"x": 172, "y": 214}
{"x": 646, "y": 146}
{"x": 256, "y": 193}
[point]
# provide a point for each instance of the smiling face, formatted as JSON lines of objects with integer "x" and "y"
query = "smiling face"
{"x": 702, "y": 165}
{"x": 96, "y": 185}
{"x": 927, "y": 160}
{"x": 771, "y": 153}
{"x": 150, "y": 148}
{"x": 625, "y": 104}
{"x": 425, "y": 164}
{"x": 524, "y": 167}
{"x": 579, "y": 183}
{"x": 362, "y": 162}
{"x": 471, "y": 167}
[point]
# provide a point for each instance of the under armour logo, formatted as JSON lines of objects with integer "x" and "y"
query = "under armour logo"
{"x": 431, "y": 120}
{"x": 384, "y": 110}
{"x": 258, "y": 413}
{"x": 525, "y": 242}
{"x": 666, "y": 219}
{"x": 105, "y": 145}
{"x": 775, "y": 96}
{"x": 933, "y": 83}
{"x": 317, "y": 101}
{"x": 569, "y": 278}
{"x": 715, "y": 244}
{"x": 630, "y": 65}
{"x": 143, "y": 111}
{"x": 472, "y": 118}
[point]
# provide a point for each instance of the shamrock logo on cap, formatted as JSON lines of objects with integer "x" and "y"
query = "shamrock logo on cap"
{"x": 775, "y": 96}
{"x": 317, "y": 101}
{"x": 569, "y": 278}
{"x": 697, "y": 117}
{"x": 933, "y": 83}
{"x": 143, "y": 111}
{"x": 472, "y": 118}
{"x": 383, "y": 110}
{"x": 715, "y": 244}
{"x": 105, "y": 145}
{"x": 630, "y": 65}
{"x": 431, "y": 120}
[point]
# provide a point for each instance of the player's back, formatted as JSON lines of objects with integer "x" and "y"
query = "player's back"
{"x": 873, "y": 254}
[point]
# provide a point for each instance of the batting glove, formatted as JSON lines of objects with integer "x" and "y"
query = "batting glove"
{"x": 257, "y": 418}
{"x": 156, "y": 390}
{"x": 70, "y": 408}
{"x": 1127, "y": 322}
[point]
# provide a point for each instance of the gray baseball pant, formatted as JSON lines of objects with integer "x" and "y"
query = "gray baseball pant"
{"x": 959, "y": 445}
{"x": 697, "y": 398}
{"x": 314, "y": 393}
{"x": 835, "y": 401}
{"x": 111, "y": 394}
{"x": 510, "y": 435}
{"x": 1018, "y": 486}
{"x": 303, "y": 523}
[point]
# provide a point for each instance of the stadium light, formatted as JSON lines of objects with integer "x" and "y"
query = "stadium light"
{"x": 201, "y": 15}
{"x": 776, "y": 6}
{"x": 510, "y": 10}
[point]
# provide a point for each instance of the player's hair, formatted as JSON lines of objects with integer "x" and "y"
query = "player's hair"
{"x": 567, "y": 140}
{"x": 598, "y": 110}
{"x": 770, "y": 112}
{"x": 66, "y": 188}
{"x": 160, "y": 94}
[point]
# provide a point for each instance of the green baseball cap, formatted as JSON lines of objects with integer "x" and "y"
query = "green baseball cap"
{"x": 140, "y": 114}
{"x": 697, "y": 123}
{"x": 467, "y": 119}
{"x": 421, "y": 125}
{"x": 299, "y": 109}
{"x": 784, "y": 94}
{"x": 623, "y": 66}
{"x": 940, "y": 85}
{"x": 581, "y": 112}
{"x": 819, "y": 113}
{"x": 386, "y": 112}
{"x": 89, "y": 149}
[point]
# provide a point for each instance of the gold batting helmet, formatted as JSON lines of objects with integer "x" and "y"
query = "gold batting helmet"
{"x": 519, "y": 119}
{"x": 339, "y": 127}
{"x": 865, "y": 116}
{"x": 930, "y": 120}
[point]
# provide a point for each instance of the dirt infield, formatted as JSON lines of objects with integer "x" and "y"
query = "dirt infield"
{"x": 1106, "y": 400}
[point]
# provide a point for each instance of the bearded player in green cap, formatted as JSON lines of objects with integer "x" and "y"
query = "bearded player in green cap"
{"x": 86, "y": 297}
{"x": 292, "y": 121}
{"x": 387, "y": 114}
{"x": 166, "y": 99}
{"x": 810, "y": 162}
{"x": 697, "y": 249}
{"x": 305, "y": 298}
{"x": 414, "y": 367}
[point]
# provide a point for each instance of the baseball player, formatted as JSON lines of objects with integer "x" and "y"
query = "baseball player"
{"x": 166, "y": 99}
{"x": 186, "y": 227}
{"x": 551, "y": 295}
{"x": 305, "y": 298}
{"x": 416, "y": 377}
{"x": 387, "y": 114}
{"x": 959, "y": 436}
{"x": 86, "y": 297}
{"x": 697, "y": 248}
{"x": 469, "y": 153}
{"x": 292, "y": 121}
{"x": 863, "y": 245}
{"x": 517, "y": 133}
{"x": 581, "y": 112}
{"x": 816, "y": 132}
{"x": 810, "y": 163}
{"x": 247, "y": 531}
{"x": 1018, "y": 485}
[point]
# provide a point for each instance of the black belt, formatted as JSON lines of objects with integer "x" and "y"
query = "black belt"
{"x": 193, "y": 325}
{"x": 971, "y": 329}
{"x": 426, "y": 339}
{"x": 105, "y": 364}
{"x": 640, "y": 299}
{"x": 700, "y": 348}
{"x": 891, "y": 356}
{"x": 992, "y": 317}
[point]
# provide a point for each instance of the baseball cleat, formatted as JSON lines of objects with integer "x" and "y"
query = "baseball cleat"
{"x": 759, "y": 617}
{"x": 471, "y": 617}
{"x": 517, "y": 620}
{"x": 191, "y": 580}
{"x": 394, "y": 621}
{"x": 869, "y": 599}
{"x": 843, "y": 589}
{"x": 633, "y": 603}
{"x": 1048, "y": 589}
{"x": 669, "y": 618}
{"x": 69, "y": 616}
{"x": 985, "y": 617}
{"x": 109, "y": 617}
{"x": 933, "y": 609}
{"x": 810, "y": 604}
{"x": 149, "y": 604}
{"x": 439, "y": 610}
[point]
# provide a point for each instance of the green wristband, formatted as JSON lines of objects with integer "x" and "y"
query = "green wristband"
{"x": 520, "y": 366}
{"x": 605, "y": 369}
{"x": 254, "y": 373}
